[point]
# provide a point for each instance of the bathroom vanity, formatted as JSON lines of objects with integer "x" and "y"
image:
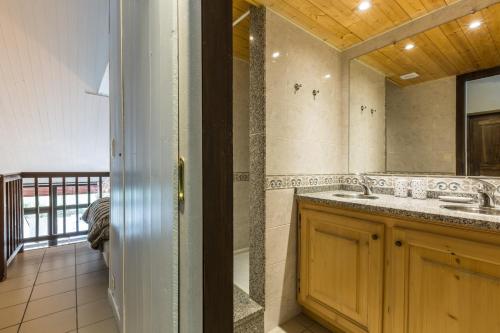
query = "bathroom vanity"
{"x": 397, "y": 265}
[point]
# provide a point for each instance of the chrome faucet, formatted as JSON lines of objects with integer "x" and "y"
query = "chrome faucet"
{"x": 365, "y": 183}
{"x": 486, "y": 194}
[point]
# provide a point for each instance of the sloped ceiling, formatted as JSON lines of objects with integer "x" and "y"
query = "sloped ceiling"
{"x": 51, "y": 53}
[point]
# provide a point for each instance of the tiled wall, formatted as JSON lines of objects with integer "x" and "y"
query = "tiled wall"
{"x": 304, "y": 135}
{"x": 241, "y": 153}
{"x": 367, "y": 119}
{"x": 438, "y": 184}
{"x": 421, "y": 127}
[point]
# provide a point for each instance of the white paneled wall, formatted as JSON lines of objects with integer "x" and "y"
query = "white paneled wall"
{"x": 51, "y": 53}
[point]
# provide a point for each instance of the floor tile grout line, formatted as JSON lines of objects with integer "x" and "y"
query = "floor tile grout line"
{"x": 68, "y": 308}
{"x": 69, "y": 277}
{"x": 92, "y": 301}
{"x": 49, "y": 314}
{"x": 11, "y": 306}
{"x": 57, "y": 294}
{"x": 11, "y": 291}
{"x": 97, "y": 322}
{"x": 31, "y": 293}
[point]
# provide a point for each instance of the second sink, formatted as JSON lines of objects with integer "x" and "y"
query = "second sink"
{"x": 355, "y": 196}
{"x": 476, "y": 210}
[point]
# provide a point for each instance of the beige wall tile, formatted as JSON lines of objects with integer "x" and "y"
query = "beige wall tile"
{"x": 241, "y": 151}
{"x": 422, "y": 117}
{"x": 241, "y": 213}
{"x": 280, "y": 208}
{"x": 280, "y": 243}
{"x": 241, "y": 115}
{"x": 366, "y": 130}
{"x": 281, "y": 280}
{"x": 301, "y": 131}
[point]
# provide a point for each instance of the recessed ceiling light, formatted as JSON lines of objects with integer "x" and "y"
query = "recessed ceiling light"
{"x": 364, "y": 5}
{"x": 276, "y": 54}
{"x": 409, "y": 76}
{"x": 409, "y": 46}
{"x": 251, "y": 38}
{"x": 327, "y": 76}
{"x": 475, "y": 24}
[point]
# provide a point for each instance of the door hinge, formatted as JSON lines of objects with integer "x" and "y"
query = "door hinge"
{"x": 181, "y": 194}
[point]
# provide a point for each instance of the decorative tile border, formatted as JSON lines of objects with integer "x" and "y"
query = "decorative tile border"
{"x": 296, "y": 181}
{"x": 381, "y": 182}
{"x": 241, "y": 177}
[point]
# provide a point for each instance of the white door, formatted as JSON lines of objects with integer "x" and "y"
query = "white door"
{"x": 150, "y": 108}
{"x": 155, "y": 96}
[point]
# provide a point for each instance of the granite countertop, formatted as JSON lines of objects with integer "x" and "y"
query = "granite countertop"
{"x": 245, "y": 309}
{"x": 428, "y": 209}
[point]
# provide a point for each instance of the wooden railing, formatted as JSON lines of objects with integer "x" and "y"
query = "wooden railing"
{"x": 11, "y": 220}
{"x": 54, "y": 203}
{"x": 44, "y": 206}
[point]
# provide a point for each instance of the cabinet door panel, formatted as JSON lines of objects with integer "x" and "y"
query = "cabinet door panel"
{"x": 445, "y": 285}
{"x": 341, "y": 269}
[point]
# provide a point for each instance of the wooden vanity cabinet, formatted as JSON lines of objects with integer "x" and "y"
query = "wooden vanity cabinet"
{"x": 341, "y": 269}
{"x": 360, "y": 272}
{"x": 444, "y": 284}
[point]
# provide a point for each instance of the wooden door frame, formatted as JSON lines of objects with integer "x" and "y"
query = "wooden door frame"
{"x": 217, "y": 155}
{"x": 461, "y": 121}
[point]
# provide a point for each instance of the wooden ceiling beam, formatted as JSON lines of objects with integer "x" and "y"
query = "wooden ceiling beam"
{"x": 421, "y": 24}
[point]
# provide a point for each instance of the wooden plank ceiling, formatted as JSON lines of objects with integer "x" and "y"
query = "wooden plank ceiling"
{"x": 450, "y": 49}
{"x": 51, "y": 52}
{"x": 338, "y": 22}
{"x": 241, "y": 31}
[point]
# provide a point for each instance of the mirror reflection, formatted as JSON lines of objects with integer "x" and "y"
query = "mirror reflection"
{"x": 430, "y": 103}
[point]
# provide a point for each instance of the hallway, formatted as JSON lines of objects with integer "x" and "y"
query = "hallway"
{"x": 58, "y": 290}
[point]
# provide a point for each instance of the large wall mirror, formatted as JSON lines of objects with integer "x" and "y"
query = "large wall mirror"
{"x": 430, "y": 103}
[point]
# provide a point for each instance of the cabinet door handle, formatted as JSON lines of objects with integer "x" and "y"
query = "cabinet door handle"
{"x": 398, "y": 243}
{"x": 374, "y": 236}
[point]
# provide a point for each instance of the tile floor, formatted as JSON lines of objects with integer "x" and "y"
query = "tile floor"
{"x": 301, "y": 324}
{"x": 58, "y": 290}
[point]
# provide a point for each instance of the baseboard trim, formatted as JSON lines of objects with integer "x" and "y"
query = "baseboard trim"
{"x": 116, "y": 313}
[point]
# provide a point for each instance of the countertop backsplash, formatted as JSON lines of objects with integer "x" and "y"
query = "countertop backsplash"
{"x": 382, "y": 184}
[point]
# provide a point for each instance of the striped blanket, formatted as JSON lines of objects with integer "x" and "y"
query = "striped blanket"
{"x": 97, "y": 217}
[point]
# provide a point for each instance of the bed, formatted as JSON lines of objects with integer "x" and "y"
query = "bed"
{"x": 97, "y": 216}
